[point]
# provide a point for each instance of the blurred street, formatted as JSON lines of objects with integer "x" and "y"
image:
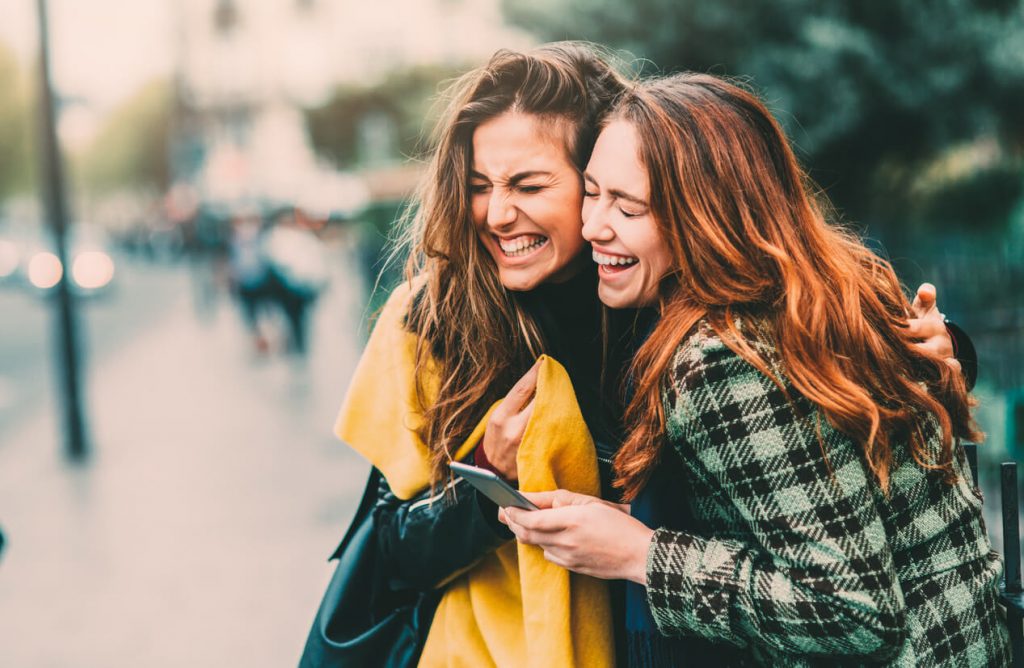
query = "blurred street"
{"x": 191, "y": 149}
{"x": 197, "y": 534}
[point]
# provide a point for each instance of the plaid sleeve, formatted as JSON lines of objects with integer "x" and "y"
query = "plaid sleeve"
{"x": 802, "y": 564}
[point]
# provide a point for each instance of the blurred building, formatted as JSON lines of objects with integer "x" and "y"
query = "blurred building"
{"x": 246, "y": 71}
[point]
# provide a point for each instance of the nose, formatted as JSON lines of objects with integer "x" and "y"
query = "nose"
{"x": 500, "y": 211}
{"x": 594, "y": 226}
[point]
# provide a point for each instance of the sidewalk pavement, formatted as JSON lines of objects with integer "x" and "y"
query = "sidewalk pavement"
{"x": 197, "y": 534}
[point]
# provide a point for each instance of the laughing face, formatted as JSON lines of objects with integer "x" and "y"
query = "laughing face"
{"x": 617, "y": 221}
{"x": 526, "y": 197}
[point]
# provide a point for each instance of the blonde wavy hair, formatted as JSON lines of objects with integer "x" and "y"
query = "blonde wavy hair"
{"x": 472, "y": 332}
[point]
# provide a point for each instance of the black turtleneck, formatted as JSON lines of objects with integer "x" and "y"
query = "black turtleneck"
{"x": 569, "y": 315}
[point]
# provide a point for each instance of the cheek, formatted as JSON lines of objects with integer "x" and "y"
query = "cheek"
{"x": 661, "y": 264}
{"x": 478, "y": 209}
{"x": 656, "y": 255}
{"x": 568, "y": 236}
{"x": 563, "y": 222}
{"x": 585, "y": 208}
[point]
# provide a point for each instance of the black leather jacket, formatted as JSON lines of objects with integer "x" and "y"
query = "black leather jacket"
{"x": 427, "y": 539}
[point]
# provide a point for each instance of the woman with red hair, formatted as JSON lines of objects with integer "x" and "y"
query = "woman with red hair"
{"x": 797, "y": 491}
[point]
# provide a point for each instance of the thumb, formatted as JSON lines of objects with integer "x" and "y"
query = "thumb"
{"x": 522, "y": 392}
{"x": 924, "y": 301}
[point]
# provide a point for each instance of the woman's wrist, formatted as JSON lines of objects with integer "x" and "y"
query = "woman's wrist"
{"x": 638, "y": 564}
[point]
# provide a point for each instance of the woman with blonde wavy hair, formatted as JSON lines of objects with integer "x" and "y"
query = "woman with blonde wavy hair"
{"x": 498, "y": 275}
{"x": 797, "y": 490}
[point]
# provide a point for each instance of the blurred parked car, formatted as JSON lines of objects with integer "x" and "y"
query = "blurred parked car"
{"x": 28, "y": 257}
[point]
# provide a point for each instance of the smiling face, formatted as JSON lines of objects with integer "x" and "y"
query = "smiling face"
{"x": 618, "y": 222}
{"x": 525, "y": 196}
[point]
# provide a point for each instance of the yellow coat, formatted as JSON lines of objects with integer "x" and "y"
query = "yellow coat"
{"x": 513, "y": 608}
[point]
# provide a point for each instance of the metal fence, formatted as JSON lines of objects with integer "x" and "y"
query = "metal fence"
{"x": 1011, "y": 594}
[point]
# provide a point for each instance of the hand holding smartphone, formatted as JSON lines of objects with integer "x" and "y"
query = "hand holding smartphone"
{"x": 492, "y": 486}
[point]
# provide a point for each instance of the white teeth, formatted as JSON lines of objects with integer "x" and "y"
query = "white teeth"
{"x": 601, "y": 258}
{"x": 521, "y": 245}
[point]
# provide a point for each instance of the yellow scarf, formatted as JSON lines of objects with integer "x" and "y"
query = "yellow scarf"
{"x": 513, "y": 607}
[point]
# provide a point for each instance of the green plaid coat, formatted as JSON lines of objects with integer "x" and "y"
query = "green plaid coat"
{"x": 802, "y": 567}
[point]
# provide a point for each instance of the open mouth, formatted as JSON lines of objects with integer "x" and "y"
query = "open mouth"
{"x": 614, "y": 264}
{"x": 521, "y": 245}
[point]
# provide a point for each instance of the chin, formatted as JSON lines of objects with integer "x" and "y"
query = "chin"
{"x": 519, "y": 282}
{"x": 616, "y": 299}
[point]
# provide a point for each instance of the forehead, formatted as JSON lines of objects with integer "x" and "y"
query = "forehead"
{"x": 615, "y": 162}
{"x": 515, "y": 142}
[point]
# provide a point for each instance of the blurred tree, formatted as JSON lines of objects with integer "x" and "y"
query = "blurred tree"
{"x": 877, "y": 96}
{"x": 132, "y": 148}
{"x": 16, "y": 130}
{"x": 360, "y": 122}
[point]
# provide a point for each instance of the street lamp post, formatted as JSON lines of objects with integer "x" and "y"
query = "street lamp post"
{"x": 56, "y": 210}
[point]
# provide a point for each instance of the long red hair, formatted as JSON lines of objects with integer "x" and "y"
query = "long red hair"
{"x": 750, "y": 242}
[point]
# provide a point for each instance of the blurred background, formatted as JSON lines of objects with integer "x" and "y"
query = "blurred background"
{"x": 169, "y": 485}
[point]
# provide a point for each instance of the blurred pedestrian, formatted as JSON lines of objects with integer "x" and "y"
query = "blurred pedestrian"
{"x": 248, "y": 272}
{"x": 298, "y": 270}
{"x": 205, "y": 237}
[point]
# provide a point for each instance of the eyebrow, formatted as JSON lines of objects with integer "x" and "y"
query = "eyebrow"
{"x": 620, "y": 194}
{"x": 515, "y": 178}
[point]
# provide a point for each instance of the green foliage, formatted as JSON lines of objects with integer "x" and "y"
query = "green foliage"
{"x": 984, "y": 195}
{"x": 404, "y": 97}
{"x": 16, "y": 129}
{"x": 872, "y": 93}
{"x": 132, "y": 148}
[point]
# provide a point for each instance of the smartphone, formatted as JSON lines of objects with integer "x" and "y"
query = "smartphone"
{"x": 493, "y": 487}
